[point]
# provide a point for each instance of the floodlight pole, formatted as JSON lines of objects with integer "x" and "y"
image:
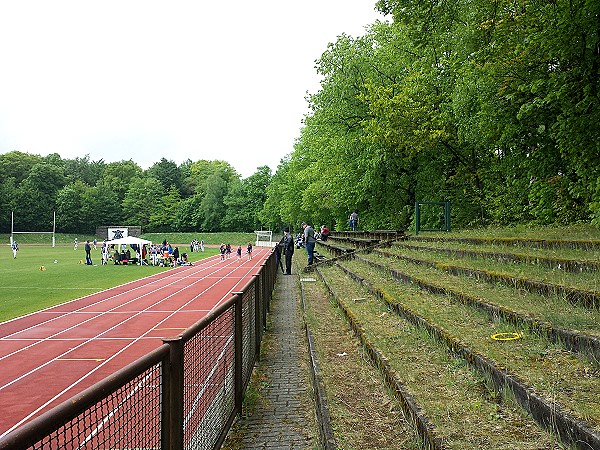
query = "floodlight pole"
{"x": 54, "y": 231}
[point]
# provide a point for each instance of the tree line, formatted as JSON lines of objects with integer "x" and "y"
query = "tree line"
{"x": 492, "y": 106}
{"x": 202, "y": 195}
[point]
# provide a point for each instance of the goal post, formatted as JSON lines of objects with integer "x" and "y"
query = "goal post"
{"x": 264, "y": 238}
{"x": 13, "y": 232}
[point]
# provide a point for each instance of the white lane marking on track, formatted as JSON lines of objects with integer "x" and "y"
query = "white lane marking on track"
{"x": 90, "y": 319}
{"x": 208, "y": 262}
{"x": 167, "y": 276}
{"x": 46, "y": 288}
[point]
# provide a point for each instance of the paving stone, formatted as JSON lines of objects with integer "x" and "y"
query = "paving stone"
{"x": 282, "y": 423}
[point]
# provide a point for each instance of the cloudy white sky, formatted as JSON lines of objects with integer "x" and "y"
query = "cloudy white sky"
{"x": 143, "y": 79}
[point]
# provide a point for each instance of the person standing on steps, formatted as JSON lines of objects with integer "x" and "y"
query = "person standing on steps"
{"x": 288, "y": 250}
{"x": 309, "y": 241}
{"x": 353, "y": 220}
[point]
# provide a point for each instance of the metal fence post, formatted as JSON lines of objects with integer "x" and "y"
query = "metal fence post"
{"x": 239, "y": 354}
{"x": 263, "y": 286}
{"x": 165, "y": 414}
{"x": 417, "y": 218}
{"x": 258, "y": 315}
{"x": 174, "y": 385}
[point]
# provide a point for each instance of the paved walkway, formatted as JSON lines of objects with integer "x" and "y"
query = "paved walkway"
{"x": 284, "y": 416}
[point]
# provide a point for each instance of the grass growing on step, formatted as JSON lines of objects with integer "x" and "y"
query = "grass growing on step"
{"x": 553, "y": 309}
{"x": 456, "y": 399}
{"x": 587, "y": 281}
{"x": 555, "y": 373}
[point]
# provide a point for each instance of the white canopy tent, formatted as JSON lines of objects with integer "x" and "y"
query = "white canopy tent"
{"x": 129, "y": 240}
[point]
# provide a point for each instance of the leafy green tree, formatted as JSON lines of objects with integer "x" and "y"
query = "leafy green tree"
{"x": 245, "y": 199}
{"x": 35, "y": 197}
{"x": 166, "y": 217}
{"x": 90, "y": 172}
{"x": 16, "y": 165}
{"x": 339, "y": 164}
{"x": 201, "y": 171}
{"x": 187, "y": 184}
{"x": 82, "y": 208}
{"x": 118, "y": 175}
{"x": 142, "y": 201}
{"x": 70, "y": 202}
{"x": 237, "y": 215}
{"x": 8, "y": 191}
{"x": 270, "y": 213}
{"x": 101, "y": 207}
{"x": 213, "y": 208}
{"x": 189, "y": 217}
{"x": 167, "y": 172}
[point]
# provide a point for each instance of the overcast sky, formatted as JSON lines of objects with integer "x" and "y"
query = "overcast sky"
{"x": 142, "y": 80}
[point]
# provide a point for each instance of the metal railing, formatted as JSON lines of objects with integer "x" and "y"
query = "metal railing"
{"x": 183, "y": 395}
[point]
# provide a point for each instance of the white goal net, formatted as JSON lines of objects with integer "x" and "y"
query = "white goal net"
{"x": 264, "y": 238}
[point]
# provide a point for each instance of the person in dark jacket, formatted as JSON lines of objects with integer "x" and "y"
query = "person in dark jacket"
{"x": 88, "y": 255}
{"x": 288, "y": 250}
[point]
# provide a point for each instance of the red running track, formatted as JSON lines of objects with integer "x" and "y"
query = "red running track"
{"x": 49, "y": 356}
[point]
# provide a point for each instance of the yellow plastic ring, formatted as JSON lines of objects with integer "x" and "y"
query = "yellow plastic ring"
{"x": 506, "y": 336}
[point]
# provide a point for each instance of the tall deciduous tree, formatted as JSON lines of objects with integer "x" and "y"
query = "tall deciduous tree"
{"x": 16, "y": 165}
{"x": 119, "y": 175}
{"x": 213, "y": 208}
{"x": 101, "y": 207}
{"x": 482, "y": 104}
{"x": 167, "y": 172}
{"x": 90, "y": 172}
{"x": 165, "y": 218}
{"x": 245, "y": 200}
{"x": 35, "y": 198}
{"x": 142, "y": 201}
{"x": 70, "y": 203}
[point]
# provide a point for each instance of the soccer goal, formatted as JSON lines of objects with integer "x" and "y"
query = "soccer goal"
{"x": 264, "y": 238}
{"x": 13, "y": 232}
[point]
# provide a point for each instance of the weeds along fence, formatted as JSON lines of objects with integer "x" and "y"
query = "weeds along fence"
{"x": 183, "y": 395}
